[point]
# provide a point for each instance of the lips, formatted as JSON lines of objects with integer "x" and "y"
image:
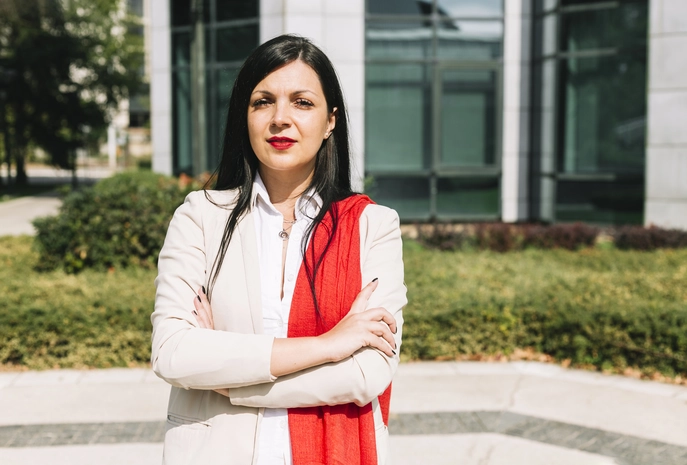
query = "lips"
{"x": 281, "y": 143}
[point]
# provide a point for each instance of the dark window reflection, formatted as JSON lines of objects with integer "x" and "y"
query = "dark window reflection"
{"x": 468, "y": 197}
{"x": 235, "y": 43}
{"x": 409, "y": 196}
{"x": 615, "y": 202}
{"x": 236, "y": 9}
{"x": 181, "y": 48}
{"x": 398, "y": 7}
{"x": 622, "y": 26}
{"x": 181, "y": 12}
{"x": 603, "y": 109}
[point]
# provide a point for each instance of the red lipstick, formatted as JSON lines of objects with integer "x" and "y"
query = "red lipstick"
{"x": 281, "y": 143}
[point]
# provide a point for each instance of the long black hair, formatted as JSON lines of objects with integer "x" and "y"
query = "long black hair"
{"x": 239, "y": 164}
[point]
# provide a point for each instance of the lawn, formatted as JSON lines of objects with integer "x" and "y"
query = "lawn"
{"x": 600, "y": 308}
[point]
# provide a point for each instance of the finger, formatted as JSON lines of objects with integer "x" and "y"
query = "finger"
{"x": 201, "y": 313}
{"x": 381, "y": 329}
{"x": 382, "y": 345}
{"x": 381, "y": 314}
{"x": 363, "y": 296}
{"x": 206, "y": 306}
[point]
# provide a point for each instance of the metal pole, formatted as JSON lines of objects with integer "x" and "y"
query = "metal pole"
{"x": 198, "y": 96}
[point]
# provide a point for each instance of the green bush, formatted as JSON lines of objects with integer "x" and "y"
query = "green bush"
{"x": 53, "y": 319}
{"x": 610, "y": 309}
{"x": 119, "y": 221}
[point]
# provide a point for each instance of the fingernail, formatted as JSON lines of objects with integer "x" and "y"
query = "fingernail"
{"x": 392, "y": 350}
{"x": 375, "y": 279}
{"x": 195, "y": 313}
{"x": 199, "y": 298}
{"x": 203, "y": 287}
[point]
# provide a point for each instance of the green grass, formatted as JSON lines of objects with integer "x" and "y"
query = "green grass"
{"x": 600, "y": 308}
{"x": 53, "y": 319}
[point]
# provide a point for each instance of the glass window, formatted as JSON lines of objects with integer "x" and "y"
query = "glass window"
{"x": 470, "y": 40}
{"x": 236, "y": 9}
{"x": 432, "y": 76}
{"x": 236, "y": 42}
{"x": 615, "y": 202}
{"x": 603, "y": 130}
{"x": 181, "y": 84}
{"x": 181, "y": 48}
{"x": 181, "y": 12}
{"x": 409, "y": 196}
{"x": 622, "y": 26}
{"x": 400, "y": 40}
{"x": 397, "y": 103}
{"x": 475, "y": 197}
{"x": 471, "y": 8}
{"x": 399, "y": 7}
{"x": 468, "y": 118}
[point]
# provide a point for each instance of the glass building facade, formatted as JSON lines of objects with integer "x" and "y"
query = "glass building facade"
{"x": 590, "y": 87}
{"x": 231, "y": 32}
{"x": 432, "y": 98}
{"x": 436, "y": 135}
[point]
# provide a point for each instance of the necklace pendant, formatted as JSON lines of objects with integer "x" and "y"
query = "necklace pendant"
{"x": 284, "y": 235}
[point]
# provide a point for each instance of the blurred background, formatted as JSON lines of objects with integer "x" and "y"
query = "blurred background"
{"x": 534, "y": 149}
{"x": 461, "y": 110}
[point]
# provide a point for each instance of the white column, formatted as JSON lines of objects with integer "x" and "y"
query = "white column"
{"x": 338, "y": 27}
{"x": 666, "y": 154}
{"x": 160, "y": 54}
{"x": 516, "y": 110}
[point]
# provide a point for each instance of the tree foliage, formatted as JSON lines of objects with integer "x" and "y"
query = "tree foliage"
{"x": 67, "y": 64}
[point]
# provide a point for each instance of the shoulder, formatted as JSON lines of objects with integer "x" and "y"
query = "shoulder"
{"x": 379, "y": 215}
{"x": 378, "y": 221}
{"x": 212, "y": 198}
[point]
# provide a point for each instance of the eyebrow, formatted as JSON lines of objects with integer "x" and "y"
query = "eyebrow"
{"x": 296, "y": 92}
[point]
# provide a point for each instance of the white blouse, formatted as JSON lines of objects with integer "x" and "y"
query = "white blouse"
{"x": 274, "y": 445}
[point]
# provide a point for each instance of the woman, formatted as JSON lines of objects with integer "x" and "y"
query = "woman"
{"x": 287, "y": 358}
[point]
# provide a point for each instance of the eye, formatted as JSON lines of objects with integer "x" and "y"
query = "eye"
{"x": 301, "y": 102}
{"x": 260, "y": 103}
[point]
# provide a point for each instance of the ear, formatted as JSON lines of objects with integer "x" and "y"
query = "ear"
{"x": 331, "y": 123}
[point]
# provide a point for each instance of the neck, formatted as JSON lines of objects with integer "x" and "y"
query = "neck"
{"x": 285, "y": 189}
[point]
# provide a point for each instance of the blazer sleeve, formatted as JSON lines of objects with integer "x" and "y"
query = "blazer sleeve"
{"x": 183, "y": 354}
{"x": 366, "y": 374}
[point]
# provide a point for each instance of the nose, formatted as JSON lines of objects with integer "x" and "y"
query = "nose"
{"x": 282, "y": 114}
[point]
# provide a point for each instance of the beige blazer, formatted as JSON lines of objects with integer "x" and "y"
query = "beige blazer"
{"x": 204, "y": 427}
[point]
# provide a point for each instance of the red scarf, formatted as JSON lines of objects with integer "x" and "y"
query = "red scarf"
{"x": 337, "y": 434}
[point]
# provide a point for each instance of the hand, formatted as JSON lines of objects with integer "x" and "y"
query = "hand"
{"x": 203, "y": 311}
{"x": 362, "y": 328}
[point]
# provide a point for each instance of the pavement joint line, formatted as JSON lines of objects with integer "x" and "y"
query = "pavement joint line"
{"x": 627, "y": 450}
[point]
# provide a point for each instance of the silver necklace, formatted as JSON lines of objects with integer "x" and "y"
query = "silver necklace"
{"x": 284, "y": 234}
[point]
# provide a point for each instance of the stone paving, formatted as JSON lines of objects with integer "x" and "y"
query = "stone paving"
{"x": 627, "y": 450}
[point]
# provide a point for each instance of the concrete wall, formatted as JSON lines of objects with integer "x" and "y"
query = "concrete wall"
{"x": 338, "y": 27}
{"x": 666, "y": 157}
{"x": 516, "y": 109}
{"x": 160, "y": 53}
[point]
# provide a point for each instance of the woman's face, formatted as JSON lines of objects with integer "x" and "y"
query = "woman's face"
{"x": 288, "y": 119}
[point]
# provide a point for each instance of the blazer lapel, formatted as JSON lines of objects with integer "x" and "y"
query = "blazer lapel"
{"x": 246, "y": 228}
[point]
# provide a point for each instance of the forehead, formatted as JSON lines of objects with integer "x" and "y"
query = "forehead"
{"x": 294, "y": 76}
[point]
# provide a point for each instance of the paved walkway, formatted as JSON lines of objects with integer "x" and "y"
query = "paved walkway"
{"x": 442, "y": 413}
{"x": 16, "y": 215}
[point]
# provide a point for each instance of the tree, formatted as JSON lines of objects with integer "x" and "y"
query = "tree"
{"x": 71, "y": 62}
